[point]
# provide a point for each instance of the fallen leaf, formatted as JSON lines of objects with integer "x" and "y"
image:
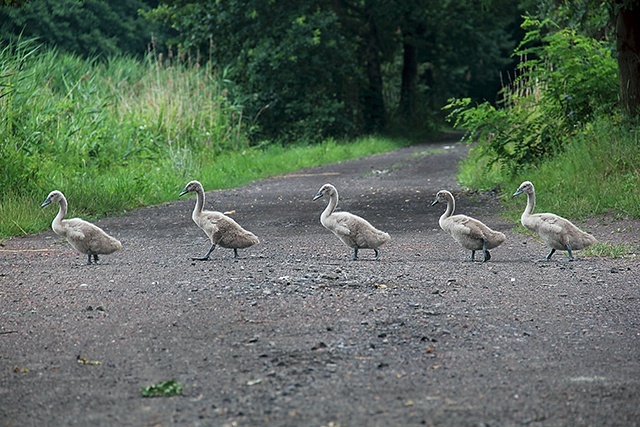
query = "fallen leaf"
{"x": 85, "y": 361}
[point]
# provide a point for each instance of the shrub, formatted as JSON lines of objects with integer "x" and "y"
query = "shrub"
{"x": 563, "y": 82}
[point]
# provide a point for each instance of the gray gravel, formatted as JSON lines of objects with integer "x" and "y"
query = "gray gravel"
{"x": 293, "y": 334}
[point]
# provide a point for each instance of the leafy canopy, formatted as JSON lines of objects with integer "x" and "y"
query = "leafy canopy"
{"x": 563, "y": 82}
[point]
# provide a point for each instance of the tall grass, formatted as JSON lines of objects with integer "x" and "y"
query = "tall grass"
{"x": 117, "y": 134}
{"x": 560, "y": 127}
{"x": 597, "y": 173}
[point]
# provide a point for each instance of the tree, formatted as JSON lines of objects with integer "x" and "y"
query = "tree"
{"x": 628, "y": 47}
{"x": 313, "y": 68}
{"x": 87, "y": 28}
{"x": 615, "y": 20}
{"x": 461, "y": 46}
{"x": 292, "y": 63}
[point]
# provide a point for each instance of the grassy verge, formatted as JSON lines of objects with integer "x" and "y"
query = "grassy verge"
{"x": 116, "y": 190}
{"x": 598, "y": 173}
{"x": 118, "y": 134}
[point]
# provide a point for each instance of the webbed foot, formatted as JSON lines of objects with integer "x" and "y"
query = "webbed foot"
{"x": 547, "y": 258}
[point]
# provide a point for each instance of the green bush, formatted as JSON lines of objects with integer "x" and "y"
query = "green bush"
{"x": 558, "y": 126}
{"x": 121, "y": 133}
{"x": 597, "y": 173}
{"x": 564, "y": 81}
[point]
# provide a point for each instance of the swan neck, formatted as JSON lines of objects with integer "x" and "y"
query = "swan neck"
{"x": 331, "y": 206}
{"x": 62, "y": 211}
{"x": 199, "y": 201}
{"x": 531, "y": 203}
{"x": 451, "y": 207}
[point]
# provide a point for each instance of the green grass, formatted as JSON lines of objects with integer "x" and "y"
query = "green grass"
{"x": 120, "y": 134}
{"x": 163, "y": 389}
{"x": 610, "y": 250}
{"x": 597, "y": 174}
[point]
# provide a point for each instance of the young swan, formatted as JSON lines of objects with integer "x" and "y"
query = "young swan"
{"x": 354, "y": 231}
{"x": 468, "y": 232}
{"x": 221, "y": 229}
{"x": 86, "y": 238}
{"x": 556, "y": 232}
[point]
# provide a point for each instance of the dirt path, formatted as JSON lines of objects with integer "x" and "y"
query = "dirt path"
{"x": 291, "y": 334}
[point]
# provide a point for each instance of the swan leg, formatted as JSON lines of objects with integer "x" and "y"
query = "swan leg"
{"x": 571, "y": 258}
{"x": 89, "y": 253}
{"x": 377, "y": 254}
{"x": 355, "y": 253}
{"x": 472, "y": 257}
{"x": 485, "y": 252}
{"x": 235, "y": 253}
{"x": 548, "y": 257}
{"x": 206, "y": 257}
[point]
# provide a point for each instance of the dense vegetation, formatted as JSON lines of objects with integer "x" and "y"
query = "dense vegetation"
{"x": 90, "y": 28}
{"x": 559, "y": 125}
{"x": 346, "y": 67}
{"x": 301, "y": 69}
{"x": 103, "y": 109}
{"x": 123, "y": 133}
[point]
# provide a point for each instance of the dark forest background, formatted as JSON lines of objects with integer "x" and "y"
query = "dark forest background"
{"x": 302, "y": 69}
{"x": 307, "y": 70}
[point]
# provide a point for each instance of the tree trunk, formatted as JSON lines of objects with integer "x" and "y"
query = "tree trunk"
{"x": 628, "y": 45}
{"x": 375, "y": 115}
{"x": 409, "y": 77}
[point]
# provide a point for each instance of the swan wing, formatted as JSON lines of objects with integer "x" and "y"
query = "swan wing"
{"x": 360, "y": 232}
{"x": 85, "y": 236}
{"x": 343, "y": 223}
{"x": 463, "y": 225}
{"x": 225, "y": 231}
{"x": 551, "y": 223}
{"x": 559, "y": 232}
{"x": 209, "y": 221}
{"x": 77, "y": 229}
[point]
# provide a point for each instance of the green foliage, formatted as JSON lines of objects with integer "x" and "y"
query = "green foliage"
{"x": 292, "y": 80}
{"x": 598, "y": 173}
{"x": 163, "y": 389}
{"x": 88, "y": 28}
{"x": 325, "y": 69}
{"x": 302, "y": 70}
{"x": 119, "y": 134}
{"x": 559, "y": 127}
{"x": 591, "y": 18}
{"x": 564, "y": 82}
{"x": 298, "y": 75}
{"x": 106, "y": 113}
{"x": 610, "y": 250}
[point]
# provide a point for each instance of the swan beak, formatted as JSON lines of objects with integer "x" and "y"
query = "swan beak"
{"x": 318, "y": 195}
{"x": 435, "y": 202}
{"x": 45, "y": 203}
{"x": 517, "y": 193}
{"x": 183, "y": 192}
